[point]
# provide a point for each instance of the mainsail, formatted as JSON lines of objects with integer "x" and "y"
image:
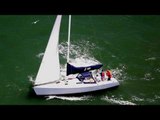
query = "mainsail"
{"x": 49, "y": 70}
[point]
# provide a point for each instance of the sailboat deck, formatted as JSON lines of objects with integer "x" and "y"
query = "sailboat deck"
{"x": 73, "y": 86}
{"x": 74, "y": 83}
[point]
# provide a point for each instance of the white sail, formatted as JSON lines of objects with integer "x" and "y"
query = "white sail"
{"x": 49, "y": 70}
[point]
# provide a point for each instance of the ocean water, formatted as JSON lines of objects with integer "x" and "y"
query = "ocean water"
{"x": 126, "y": 44}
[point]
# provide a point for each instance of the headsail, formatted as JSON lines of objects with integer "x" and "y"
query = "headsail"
{"x": 49, "y": 70}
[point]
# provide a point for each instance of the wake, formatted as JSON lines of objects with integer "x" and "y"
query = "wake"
{"x": 117, "y": 101}
{"x": 69, "y": 98}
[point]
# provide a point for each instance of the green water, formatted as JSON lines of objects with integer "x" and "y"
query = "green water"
{"x": 126, "y": 44}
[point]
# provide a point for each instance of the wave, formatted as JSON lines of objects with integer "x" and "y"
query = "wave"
{"x": 69, "y": 98}
{"x": 77, "y": 50}
{"x": 40, "y": 55}
{"x": 150, "y": 100}
{"x": 150, "y": 59}
{"x": 35, "y": 22}
{"x": 157, "y": 70}
{"x": 119, "y": 72}
{"x": 31, "y": 78}
{"x": 148, "y": 77}
{"x": 157, "y": 97}
{"x": 135, "y": 98}
{"x": 117, "y": 101}
{"x": 79, "y": 54}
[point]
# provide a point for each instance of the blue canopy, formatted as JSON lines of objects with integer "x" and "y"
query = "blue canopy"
{"x": 84, "y": 75}
{"x": 73, "y": 70}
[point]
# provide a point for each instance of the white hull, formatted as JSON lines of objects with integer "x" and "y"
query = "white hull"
{"x": 73, "y": 88}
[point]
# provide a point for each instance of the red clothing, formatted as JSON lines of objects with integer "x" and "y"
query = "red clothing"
{"x": 108, "y": 73}
{"x": 102, "y": 74}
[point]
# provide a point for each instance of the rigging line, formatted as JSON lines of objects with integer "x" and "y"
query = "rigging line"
{"x": 49, "y": 19}
{"x": 93, "y": 31}
{"x": 69, "y": 30}
{"x": 92, "y": 25}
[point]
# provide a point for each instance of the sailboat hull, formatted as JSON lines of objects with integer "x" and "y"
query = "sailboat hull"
{"x": 74, "y": 87}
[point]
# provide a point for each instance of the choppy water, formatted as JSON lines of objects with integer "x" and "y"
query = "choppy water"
{"x": 126, "y": 44}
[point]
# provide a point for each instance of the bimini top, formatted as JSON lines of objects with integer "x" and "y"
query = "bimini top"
{"x": 73, "y": 70}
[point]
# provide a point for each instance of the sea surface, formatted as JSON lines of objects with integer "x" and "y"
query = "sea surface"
{"x": 128, "y": 45}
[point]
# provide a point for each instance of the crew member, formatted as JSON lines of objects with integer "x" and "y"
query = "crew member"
{"x": 108, "y": 73}
{"x": 103, "y": 75}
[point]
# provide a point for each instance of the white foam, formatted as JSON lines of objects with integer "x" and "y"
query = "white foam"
{"x": 84, "y": 61}
{"x": 30, "y": 77}
{"x": 148, "y": 77}
{"x": 150, "y": 100}
{"x": 79, "y": 54}
{"x": 150, "y": 59}
{"x": 63, "y": 49}
{"x": 35, "y": 22}
{"x": 157, "y": 97}
{"x": 157, "y": 70}
{"x": 118, "y": 101}
{"x": 113, "y": 56}
{"x": 119, "y": 73}
{"x": 135, "y": 98}
{"x": 68, "y": 98}
{"x": 40, "y": 55}
{"x": 81, "y": 48}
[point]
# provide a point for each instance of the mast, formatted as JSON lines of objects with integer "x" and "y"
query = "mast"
{"x": 69, "y": 31}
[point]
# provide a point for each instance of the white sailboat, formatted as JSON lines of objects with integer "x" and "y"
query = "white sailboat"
{"x": 49, "y": 81}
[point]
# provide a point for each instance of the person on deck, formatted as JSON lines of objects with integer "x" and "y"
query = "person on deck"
{"x": 98, "y": 78}
{"x": 102, "y": 75}
{"x": 108, "y": 73}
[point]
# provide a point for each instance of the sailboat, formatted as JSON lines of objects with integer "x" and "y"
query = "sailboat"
{"x": 49, "y": 80}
